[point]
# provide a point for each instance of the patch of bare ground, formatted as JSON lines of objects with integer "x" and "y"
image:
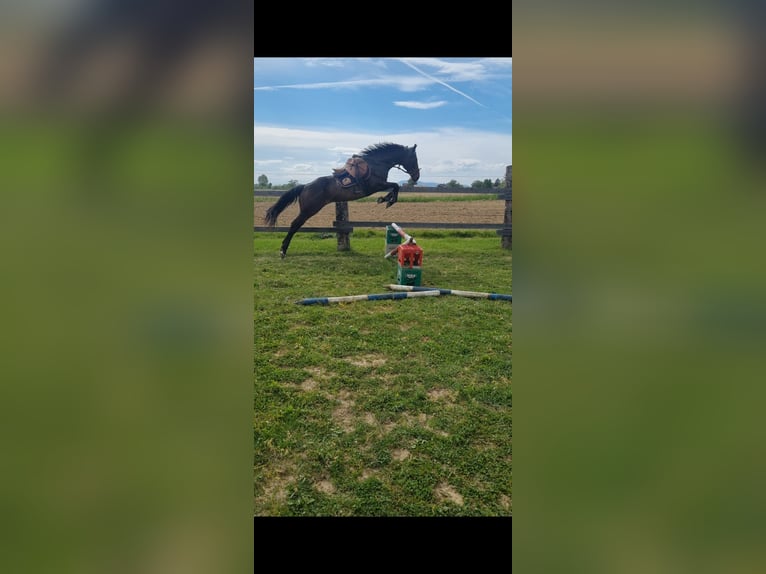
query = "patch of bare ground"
{"x": 483, "y": 446}
{"x": 420, "y": 420}
{"x": 446, "y": 493}
{"x": 400, "y": 454}
{"x": 319, "y": 373}
{"x": 275, "y": 489}
{"x": 370, "y": 419}
{"x": 309, "y": 385}
{"x": 408, "y": 419}
{"x": 367, "y": 361}
{"x": 442, "y": 395}
{"x": 387, "y": 378}
{"x": 325, "y": 486}
{"x": 505, "y": 502}
{"x": 368, "y": 473}
{"x": 343, "y": 414}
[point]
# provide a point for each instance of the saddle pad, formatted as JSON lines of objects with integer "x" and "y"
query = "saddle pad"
{"x": 356, "y": 169}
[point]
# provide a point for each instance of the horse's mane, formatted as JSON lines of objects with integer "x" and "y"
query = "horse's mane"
{"x": 377, "y": 148}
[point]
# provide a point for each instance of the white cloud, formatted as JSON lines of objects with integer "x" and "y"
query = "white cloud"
{"x": 345, "y": 73}
{"x": 452, "y": 71}
{"x": 420, "y": 105}
{"x": 444, "y": 154}
{"x": 403, "y": 83}
{"x": 377, "y": 62}
{"x": 498, "y": 62}
{"x": 464, "y": 71}
{"x": 325, "y": 62}
{"x": 443, "y": 83}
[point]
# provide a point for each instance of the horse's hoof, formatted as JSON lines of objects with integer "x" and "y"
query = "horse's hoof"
{"x": 381, "y": 199}
{"x": 282, "y": 254}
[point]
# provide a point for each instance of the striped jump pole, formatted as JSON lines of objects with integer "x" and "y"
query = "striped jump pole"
{"x": 414, "y": 289}
{"x": 408, "y": 239}
{"x": 406, "y": 236}
{"x": 373, "y": 297}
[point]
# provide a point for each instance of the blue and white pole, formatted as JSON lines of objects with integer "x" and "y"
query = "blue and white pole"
{"x": 414, "y": 289}
{"x": 370, "y": 297}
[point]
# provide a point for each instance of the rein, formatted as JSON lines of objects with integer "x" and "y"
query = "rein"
{"x": 401, "y": 169}
{"x": 397, "y": 166}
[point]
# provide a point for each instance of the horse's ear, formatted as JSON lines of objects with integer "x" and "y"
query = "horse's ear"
{"x": 413, "y": 147}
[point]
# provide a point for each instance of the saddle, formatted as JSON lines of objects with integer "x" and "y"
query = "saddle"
{"x": 354, "y": 172}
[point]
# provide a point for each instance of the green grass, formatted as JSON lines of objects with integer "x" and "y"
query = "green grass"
{"x": 381, "y": 408}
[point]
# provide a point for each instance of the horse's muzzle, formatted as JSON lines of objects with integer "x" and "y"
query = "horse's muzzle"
{"x": 415, "y": 176}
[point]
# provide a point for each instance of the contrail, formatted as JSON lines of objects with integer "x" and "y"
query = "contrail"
{"x": 445, "y": 84}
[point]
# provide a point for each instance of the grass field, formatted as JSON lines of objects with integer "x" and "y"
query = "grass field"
{"x": 381, "y": 408}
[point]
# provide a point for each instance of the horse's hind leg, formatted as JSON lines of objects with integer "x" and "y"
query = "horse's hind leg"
{"x": 294, "y": 226}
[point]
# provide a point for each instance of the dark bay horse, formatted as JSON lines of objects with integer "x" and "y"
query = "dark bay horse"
{"x": 328, "y": 189}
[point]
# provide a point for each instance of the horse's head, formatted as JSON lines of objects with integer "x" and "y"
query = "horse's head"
{"x": 383, "y": 156}
{"x": 410, "y": 163}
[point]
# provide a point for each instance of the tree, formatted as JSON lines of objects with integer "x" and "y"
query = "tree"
{"x": 289, "y": 185}
{"x": 499, "y": 183}
{"x": 477, "y": 183}
{"x": 453, "y": 183}
{"x": 263, "y": 182}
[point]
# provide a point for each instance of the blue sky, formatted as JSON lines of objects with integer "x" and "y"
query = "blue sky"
{"x": 311, "y": 114}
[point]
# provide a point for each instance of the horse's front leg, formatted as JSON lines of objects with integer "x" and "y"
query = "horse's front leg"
{"x": 391, "y": 197}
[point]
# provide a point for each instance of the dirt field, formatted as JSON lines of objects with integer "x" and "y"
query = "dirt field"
{"x": 481, "y": 211}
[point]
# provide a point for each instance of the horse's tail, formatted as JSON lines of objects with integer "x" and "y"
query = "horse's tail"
{"x": 287, "y": 198}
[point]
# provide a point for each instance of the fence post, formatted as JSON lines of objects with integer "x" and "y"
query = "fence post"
{"x": 341, "y": 221}
{"x": 507, "y": 235}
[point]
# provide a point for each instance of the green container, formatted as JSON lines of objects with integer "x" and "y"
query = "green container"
{"x": 392, "y": 236}
{"x": 393, "y": 239}
{"x": 408, "y": 275}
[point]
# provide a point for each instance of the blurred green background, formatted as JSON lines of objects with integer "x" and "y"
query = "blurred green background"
{"x": 126, "y": 225}
{"x": 639, "y": 283}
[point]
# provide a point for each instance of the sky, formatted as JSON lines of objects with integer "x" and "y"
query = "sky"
{"x": 311, "y": 114}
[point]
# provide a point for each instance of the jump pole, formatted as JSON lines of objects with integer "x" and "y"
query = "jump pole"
{"x": 413, "y": 289}
{"x": 370, "y": 297}
{"x": 408, "y": 240}
{"x": 406, "y": 236}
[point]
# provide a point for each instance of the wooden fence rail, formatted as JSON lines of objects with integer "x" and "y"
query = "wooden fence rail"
{"x": 499, "y": 191}
{"x": 343, "y": 227}
{"x": 421, "y": 225}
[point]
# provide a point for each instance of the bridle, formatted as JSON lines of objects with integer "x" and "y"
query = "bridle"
{"x": 402, "y": 169}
